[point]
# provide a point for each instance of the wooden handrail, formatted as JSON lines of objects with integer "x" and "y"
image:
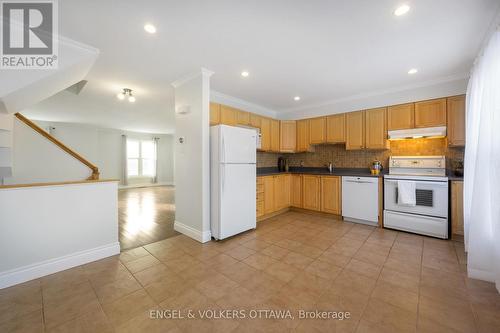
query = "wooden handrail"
{"x": 2, "y": 187}
{"x": 95, "y": 170}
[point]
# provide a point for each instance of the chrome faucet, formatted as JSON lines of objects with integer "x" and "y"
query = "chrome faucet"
{"x": 330, "y": 167}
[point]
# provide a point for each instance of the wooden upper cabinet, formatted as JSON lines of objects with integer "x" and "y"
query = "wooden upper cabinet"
{"x": 311, "y": 192}
{"x": 243, "y": 118}
{"x": 275, "y": 135}
{"x": 331, "y": 195}
{"x": 265, "y": 131}
{"x": 317, "y": 130}
{"x": 214, "y": 113}
{"x": 268, "y": 194}
{"x": 456, "y": 120}
{"x": 296, "y": 191}
{"x": 228, "y": 115}
{"x": 302, "y": 135}
{"x": 335, "y": 128}
{"x": 376, "y": 129}
{"x": 288, "y": 134}
{"x": 255, "y": 120}
{"x": 281, "y": 192}
{"x": 401, "y": 116}
{"x": 355, "y": 132}
{"x": 430, "y": 113}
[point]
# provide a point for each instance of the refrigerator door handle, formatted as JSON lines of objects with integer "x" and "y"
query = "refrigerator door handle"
{"x": 223, "y": 148}
{"x": 223, "y": 176}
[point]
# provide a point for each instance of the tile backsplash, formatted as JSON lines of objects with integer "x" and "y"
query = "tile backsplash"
{"x": 342, "y": 158}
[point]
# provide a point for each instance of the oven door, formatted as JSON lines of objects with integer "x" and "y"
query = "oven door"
{"x": 432, "y": 198}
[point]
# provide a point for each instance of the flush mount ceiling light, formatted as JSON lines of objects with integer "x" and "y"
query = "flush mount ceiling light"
{"x": 401, "y": 10}
{"x": 296, "y": 98}
{"x": 413, "y": 71}
{"x": 150, "y": 28}
{"x": 245, "y": 74}
{"x": 126, "y": 93}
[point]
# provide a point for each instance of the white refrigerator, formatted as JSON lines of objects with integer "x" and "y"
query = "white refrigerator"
{"x": 232, "y": 180}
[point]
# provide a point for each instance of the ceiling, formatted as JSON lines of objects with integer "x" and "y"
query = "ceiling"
{"x": 321, "y": 50}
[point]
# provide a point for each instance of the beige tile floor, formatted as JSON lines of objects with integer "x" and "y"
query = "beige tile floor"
{"x": 388, "y": 281}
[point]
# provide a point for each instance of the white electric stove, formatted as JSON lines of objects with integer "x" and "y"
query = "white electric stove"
{"x": 429, "y": 215}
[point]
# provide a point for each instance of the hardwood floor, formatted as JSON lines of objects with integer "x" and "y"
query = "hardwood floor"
{"x": 146, "y": 215}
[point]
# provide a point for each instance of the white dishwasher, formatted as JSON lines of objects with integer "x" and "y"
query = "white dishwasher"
{"x": 360, "y": 199}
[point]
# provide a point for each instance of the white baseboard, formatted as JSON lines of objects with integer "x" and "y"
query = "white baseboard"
{"x": 123, "y": 187}
{"x": 46, "y": 267}
{"x": 482, "y": 275}
{"x": 200, "y": 236}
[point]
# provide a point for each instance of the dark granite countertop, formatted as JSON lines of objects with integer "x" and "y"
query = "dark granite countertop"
{"x": 354, "y": 172}
{"x": 451, "y": 175}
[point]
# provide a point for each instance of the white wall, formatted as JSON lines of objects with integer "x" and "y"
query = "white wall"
{"x": 37, "y": 160}
{"x": 46, "y": 229}
{"x": 103, "y": 147}
{"x": 192, "y": 157}
{"x": 401, "y": 95}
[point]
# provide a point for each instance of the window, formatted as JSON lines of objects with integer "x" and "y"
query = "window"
{"x": 141, "y": 158}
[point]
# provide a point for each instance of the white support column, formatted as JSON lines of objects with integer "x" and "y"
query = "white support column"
{"x": 192, "y": 156}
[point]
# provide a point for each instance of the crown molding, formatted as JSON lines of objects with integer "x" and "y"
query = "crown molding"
{"x": 203, "y": 72}
{"x": 375, "y": 93}
{"x": 219, "y": 97}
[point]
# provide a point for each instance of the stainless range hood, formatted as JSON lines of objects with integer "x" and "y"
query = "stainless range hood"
{"x": 418, "y": 133}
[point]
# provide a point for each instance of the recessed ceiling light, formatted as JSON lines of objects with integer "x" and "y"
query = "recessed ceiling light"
{"x": 413, "y": 71}
{"x": 120, "y": 96}
{"x": 401, "y": 10}
{"x": 245, "y": 74}
{"x": 296, "y": 98}
{"x": 150, "y": 28}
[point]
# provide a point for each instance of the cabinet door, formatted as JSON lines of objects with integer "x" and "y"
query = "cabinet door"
{"x": 281, "y": 192}
{"x": 330, "y": 195}
{"x": 260, "y": 196}
{"x": 401, "y": 116}
{"x": 375, "y": 129}
{"x": 296, "y": 191}
{"x": 311, "y": 192}
{"x": 275, "y": 135}
{"x": 265, "y": 131}
{"x": 228, "y": 115}
{"x": 430, "y": 113}
{"x": 335, "y": 128}
{"x": 317, "y": 130}
{"x": 255, "y": 120}
{"x": 355, "y": 132}
{"x": 302, "y": 135}
{"x": 456, "y": 121}
{"x": 268, "y": 194}
{"x": 288, "y": 133}
{"x": 214, "y": 114}
{"x": 457, "y": 208}
{"x": 243, "y": 118}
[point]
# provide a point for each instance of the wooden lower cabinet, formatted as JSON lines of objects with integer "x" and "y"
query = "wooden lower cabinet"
{"x": 268, "y": 194}
{"x": 281, "y": 192}
{"x": 317, "y": 193}
{"x": 331, "y": 194}
{"x": 296, "y": 191}
{"x": 457, "y": 208}
{"x": 311, "y": 186}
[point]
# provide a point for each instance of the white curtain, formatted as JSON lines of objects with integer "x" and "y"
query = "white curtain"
{"x": 124, "y": 179}
{"x": 482, "y": 166}
{"x": 155, "y": 178}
